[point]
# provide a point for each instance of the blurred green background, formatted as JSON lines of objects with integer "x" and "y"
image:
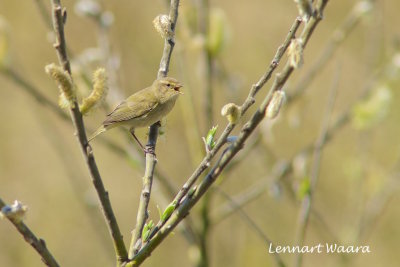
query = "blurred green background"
{"x": 356, "y": 197}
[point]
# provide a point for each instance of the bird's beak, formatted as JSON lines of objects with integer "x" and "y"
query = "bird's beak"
{"x": 177, "y": 87}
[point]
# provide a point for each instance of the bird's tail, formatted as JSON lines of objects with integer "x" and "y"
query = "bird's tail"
{"x": 100, "y": 130}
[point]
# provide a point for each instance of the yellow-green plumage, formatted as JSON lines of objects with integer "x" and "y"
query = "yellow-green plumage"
{"x": 143, "y": 108}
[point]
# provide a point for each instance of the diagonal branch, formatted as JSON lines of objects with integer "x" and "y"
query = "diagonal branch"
{"x": 37, "y": 243}
{"x": 59, "y": 17}
{"x": 355, "y": 17}
{"x": 246, "y": 105}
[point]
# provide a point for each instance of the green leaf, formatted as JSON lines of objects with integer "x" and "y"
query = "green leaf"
{"x": 147, "y": 230}
{"x": 168, "y": 211}
{"x": 210, "y": 142}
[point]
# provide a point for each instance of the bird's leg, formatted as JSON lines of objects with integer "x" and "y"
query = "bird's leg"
{"x": 137, "y": 140}
{"x": 145, "y": 149}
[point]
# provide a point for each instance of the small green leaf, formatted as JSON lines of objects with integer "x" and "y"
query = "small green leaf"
{"x": 168, "y": 211}
{"x": 147, "y": 230}
{"x": 210, "y": 142}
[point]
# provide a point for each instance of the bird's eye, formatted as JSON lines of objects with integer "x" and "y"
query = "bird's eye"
{"x": 168, "y": 84}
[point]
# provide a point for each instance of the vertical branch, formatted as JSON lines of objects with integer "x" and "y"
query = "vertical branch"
{"x": 38, "y": 244}
{"x": 151, "y": 159}
{"x": 305, "y": 208}
{"x": 59, "y": 18}
{"x": 169, "y": 42}
{"x": 143, "y": 214}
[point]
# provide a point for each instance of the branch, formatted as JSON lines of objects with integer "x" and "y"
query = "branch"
{"x": 38, "y": 244}
{"x": 196, "y": 193}
{"x": 42, "y": 99}
{"x": 151, "y": 160}
{"x": 228, "y": 129}
{"x": 143, "y": 213}
{"x": 338, "y": 37}
{"x": 284, "y": 168}
{"x": 59, "y": 17}
{"x": 246, "y": 105}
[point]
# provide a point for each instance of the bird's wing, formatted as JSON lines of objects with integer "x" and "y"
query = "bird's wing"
{"x": 129, "y": 109}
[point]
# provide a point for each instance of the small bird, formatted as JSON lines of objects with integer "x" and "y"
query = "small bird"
{"x": 143, "y": 108}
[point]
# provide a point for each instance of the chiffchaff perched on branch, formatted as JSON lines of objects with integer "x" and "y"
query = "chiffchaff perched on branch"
{"x": 143, "y": 108}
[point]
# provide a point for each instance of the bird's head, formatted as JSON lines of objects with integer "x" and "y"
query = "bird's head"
{"x": 168, "y": 88}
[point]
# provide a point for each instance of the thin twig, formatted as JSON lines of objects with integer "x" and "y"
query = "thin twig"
{"x": 45, "y": 102}
{"x": 338, "y": 37}
{"x": 191, "y": 199}
{"x": 255, "y": 191}
{"x": 38, "y": 244}
{"x": 54, "y": 136}
{"x": 246, "y": 105}
{"x": 285, "y": 167}
{"x": 151, "y": 160}
{"x": 143, "y": 214}
{"x": 205, "y": 163}
{"x": 250, "y": 100}
{"x": 59, "y": 17}
{"x": 305, "y": 207}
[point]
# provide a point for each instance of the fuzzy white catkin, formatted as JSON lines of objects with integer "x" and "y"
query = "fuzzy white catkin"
{"x": 275, "y": 105}
{"x": 295, "y": 52}
{"x": 162, "y": 24}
